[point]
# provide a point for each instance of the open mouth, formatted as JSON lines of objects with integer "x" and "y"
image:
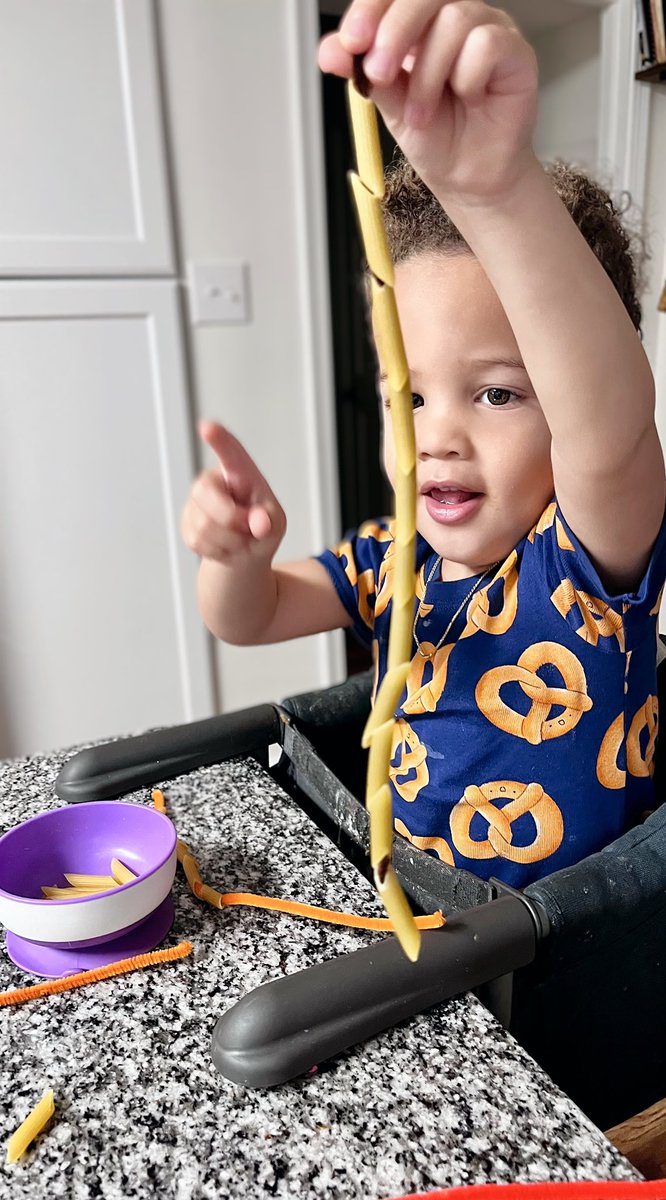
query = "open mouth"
{"x": 451, "y": 496}
{"x": 449, "y": 504}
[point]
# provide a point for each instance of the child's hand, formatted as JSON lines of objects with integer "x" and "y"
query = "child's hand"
{"x": 231, "y": 512}
{"x": 456, "y": 84}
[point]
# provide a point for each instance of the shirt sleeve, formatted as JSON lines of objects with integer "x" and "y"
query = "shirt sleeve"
{"x": 357, "y": 567}
{"x": 610, "y": 620}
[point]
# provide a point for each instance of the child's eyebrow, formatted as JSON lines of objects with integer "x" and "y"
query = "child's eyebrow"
{"x": 498, "y": 362}
{"x": 486, "y": 363}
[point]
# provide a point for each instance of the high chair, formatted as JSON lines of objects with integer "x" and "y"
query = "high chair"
{"x": 575, "y": 965}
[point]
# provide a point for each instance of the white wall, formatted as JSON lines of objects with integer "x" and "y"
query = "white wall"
{"x": 569, "y": 92}
{"x": 654, "y": 322}
{"x": 236, "y": 145}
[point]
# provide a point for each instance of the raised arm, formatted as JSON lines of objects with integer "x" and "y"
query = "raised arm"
{"x": 234, "y": 522}
{"x": 457, "y": 86}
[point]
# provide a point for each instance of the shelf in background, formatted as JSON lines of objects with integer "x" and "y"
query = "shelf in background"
{"x": 654, "y": 74}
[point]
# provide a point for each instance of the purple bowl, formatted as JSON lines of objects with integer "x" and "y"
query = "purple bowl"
{"x": 84, "y": 838}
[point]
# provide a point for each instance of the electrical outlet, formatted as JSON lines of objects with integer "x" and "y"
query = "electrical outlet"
{"x": 219, "y": 292}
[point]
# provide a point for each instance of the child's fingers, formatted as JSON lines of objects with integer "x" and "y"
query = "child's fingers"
{"x": 494, "y": 59}
{"x": 402, "y": 26}
{"x": 208, "y": 539}
{"x": 259, "y": 523}
{"x": 359, "y": 25}
{"x": 439, "y": 51}
{"x": 355, "y": 36}
{"x": 211, "y": 494}
{"x": 241, "y": 472}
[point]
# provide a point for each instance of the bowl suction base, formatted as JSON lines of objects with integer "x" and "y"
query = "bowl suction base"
{"x": 55, "y": 963}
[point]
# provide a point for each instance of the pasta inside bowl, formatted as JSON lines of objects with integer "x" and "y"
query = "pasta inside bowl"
{"x": 85, "y": 838}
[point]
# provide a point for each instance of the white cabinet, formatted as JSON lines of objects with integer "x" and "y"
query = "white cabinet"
{"x": 83, "y": 180}
{"x": 99, "y": 633}
{"x": 99, "y": 630}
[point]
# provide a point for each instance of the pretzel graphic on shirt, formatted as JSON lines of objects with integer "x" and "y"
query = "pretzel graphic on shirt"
{"x": 647, "y": 717}
{"x": 440, "y": 847}
{"x": 521, "y": 798}
{"x": 412, "y": 756}
{"x": 598, "y": 618}
{"x": 537, "y": 726}
{"x": 479, "y": 614}
{"x": 423, "y": 697}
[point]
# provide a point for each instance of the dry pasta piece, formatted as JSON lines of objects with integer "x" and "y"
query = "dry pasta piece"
{"x": 120, "y": 872}
{"x": 28, "y": 1129}
{"x": 158, "y": 800}
{"x": 122, "y": 967}
{"x": 191, "y": 869}
{"x": 71, "y": 893}
{"x": 94, "y": 883}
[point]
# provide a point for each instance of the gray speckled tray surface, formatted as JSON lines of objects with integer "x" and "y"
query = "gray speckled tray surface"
{"x": 446, "y": 1099}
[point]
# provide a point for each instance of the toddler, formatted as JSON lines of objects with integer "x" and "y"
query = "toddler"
{"x": 525, "y": 735}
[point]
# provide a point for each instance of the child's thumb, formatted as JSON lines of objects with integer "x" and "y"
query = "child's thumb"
{"x": 259, "y": 522}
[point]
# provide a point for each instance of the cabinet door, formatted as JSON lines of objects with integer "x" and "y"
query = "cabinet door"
{"x": 83, "y": 181}
{"x": 99, "y": 633}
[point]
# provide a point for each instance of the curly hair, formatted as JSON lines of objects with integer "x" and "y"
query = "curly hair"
{"x": 416, "y": 223}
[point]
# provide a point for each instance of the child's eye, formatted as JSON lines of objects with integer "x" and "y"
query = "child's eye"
{"x": 417, "y": 401}
{"x": 499, "y": 396}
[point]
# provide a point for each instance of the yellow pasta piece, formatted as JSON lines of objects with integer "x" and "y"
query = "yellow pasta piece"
{"x": 158, "y": 800}
{"x": 33, "y": 1124}
{"x": 395, "y": 902}
{"x": 70, "y": 893}
{"x": 191, "y": 869}
{"x": 363, "y": 115}
{"x": 380, "y": 753}
{"x": 380, "y": 807}
{"x": 203, "y": 892}
{"x": 389, "y": 336}
{"x": 120, "y": 872}
{"x": 385, "y": 703}
{"x": 369, "y": 212}
{"x": 97, "y": 883}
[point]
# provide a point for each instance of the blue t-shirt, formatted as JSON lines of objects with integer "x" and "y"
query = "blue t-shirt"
{"x": 526, "y": 741}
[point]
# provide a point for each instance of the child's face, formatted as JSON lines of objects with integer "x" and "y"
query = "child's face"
{"x": 490, "y": 460}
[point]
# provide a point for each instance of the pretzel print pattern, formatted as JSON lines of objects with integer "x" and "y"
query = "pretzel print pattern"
{"x": 424, "y": 697}
{"x": 608, "y": 773}
{"x": 520, "y": 798}
{"x": 548, "y": 518}
{"x": 599, "y": 619}
{"x": 363, "y": 582}
{"x": 647, "y": 718}
{"x": 411, "y": 757}
{"x": 537, "y": 726}
{"x": 438, "y": 844}
{"x": 479, "y": 610}
{"x": 387, "y": 567}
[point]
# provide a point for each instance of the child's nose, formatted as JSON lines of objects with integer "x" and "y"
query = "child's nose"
{"x": 443, "y": 432}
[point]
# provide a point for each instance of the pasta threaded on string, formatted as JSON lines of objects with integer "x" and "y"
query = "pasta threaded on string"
{"x": 368, "y": 190}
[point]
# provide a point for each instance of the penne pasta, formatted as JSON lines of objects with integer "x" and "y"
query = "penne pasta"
{"x": 28, "y": 1129}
